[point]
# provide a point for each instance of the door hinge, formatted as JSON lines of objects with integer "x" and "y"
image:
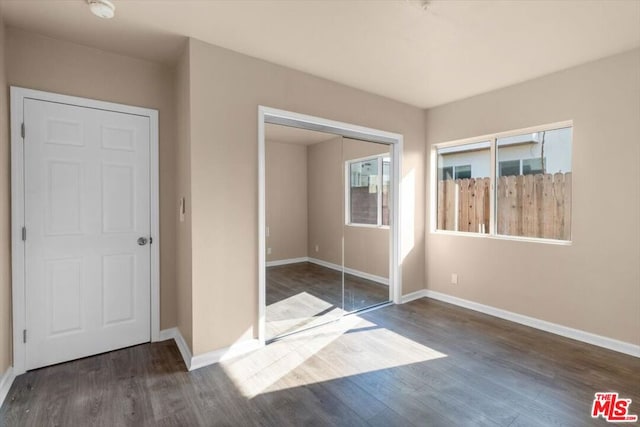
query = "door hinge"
{"x": 22, "y": 130}
{"x": 24, "y": 336}
{"x": 24, "y": 234}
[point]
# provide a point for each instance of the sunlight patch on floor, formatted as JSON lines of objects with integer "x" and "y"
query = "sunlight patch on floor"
{"x": 341, "y": 349}
{"x": 297, "y": 311}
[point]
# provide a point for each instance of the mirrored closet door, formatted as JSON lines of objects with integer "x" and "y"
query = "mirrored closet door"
{"x": 327, "y": 227}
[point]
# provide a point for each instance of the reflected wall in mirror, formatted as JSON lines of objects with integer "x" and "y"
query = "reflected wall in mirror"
{"x": 366, "y": 223}
{"x": 303, "y": 223}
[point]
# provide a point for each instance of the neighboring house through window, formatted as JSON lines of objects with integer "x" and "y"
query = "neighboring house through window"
{"x": 521, "y": 167}
{"x": 455, "y": 172}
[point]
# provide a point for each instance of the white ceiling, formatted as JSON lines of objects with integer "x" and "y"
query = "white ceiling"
{"x": 290, "y": 135}
{"x": 451, "y": 50}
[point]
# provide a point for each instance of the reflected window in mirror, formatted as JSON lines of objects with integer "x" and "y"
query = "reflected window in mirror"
{"x": 367, "y": 191}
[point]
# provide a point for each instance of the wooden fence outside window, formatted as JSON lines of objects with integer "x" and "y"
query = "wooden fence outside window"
{"x": 527, "y": 205}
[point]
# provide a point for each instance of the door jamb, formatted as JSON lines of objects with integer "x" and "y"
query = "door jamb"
{"x": 288, "y": 118}
{"x": 18, "y": 96}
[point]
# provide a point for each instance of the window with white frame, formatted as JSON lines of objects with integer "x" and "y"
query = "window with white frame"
{"x": 527, "y": 193}
{"x": 367, "y": 191}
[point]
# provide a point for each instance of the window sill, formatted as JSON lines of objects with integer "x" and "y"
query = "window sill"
{"x": 382, "y": 227}
{"x": 504, "y": 237}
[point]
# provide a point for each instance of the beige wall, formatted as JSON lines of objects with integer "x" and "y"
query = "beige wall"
{"x": 184, "y": 296}
{"x": 366, "y": 249}
{"x": 594, "y": 284}
{"x": 305, "y": 206}
{"x": 226, "y": 89}
{"x": 286, "y": 200}
{"x": 5, "y": 216}
{"x": 42, "y": 63}
{"x": 326, "y": 200}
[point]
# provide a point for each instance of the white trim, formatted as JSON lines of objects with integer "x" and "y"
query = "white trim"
{"x": 373, "y": 226}
{"x": 378, "y": 279}
{"x": 413, "y": 296}
{"x": 262, "y": 235}
{"x": 512, "y": 132}
{"x": 195, "y": 362}
{"x": 287, "y": 118}
{"x": 319, "y": 124}
{"x": 433, "y": 190}
{"x": 493, "y": 188}
{"x": 235, "y": 350}
{"x": 168, "y": 334}
{"x": 154, "y": 221}
{"x": 543, "y": 325}
{"x": 18, "y": 95}
{"x": 286, "y": 261}
{"x": 503, "y": 237}
{"x": 17, "y": 221}
{"x": 183, "y": 348}
{"x": 5, "y": 383}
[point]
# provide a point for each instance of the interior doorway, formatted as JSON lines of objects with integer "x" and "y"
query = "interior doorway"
{"x": 329, "y": 220}
{"x": 84, "y": 217}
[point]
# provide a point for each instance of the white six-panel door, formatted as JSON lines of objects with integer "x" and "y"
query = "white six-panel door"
{"x": 87, "y": 203}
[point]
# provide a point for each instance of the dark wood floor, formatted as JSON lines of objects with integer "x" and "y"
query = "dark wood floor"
{"x": 421, "y": 363}
{"x": 305, "y": 294}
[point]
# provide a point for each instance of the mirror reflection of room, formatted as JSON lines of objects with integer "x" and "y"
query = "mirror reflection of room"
{"x": 367, "y": 221}
{"x": 327, "y": 227}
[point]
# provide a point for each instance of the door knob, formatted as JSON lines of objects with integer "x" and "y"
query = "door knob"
{"x": 142, "y": 241}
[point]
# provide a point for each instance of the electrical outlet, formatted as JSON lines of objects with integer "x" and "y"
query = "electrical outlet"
{"x": 268, "y": 251}
{"x": 454, "y": 278}
{"x": 317, "y": 248}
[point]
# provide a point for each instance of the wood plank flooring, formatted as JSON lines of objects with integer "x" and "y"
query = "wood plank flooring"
{"x": 304, "y": 294}
{"x": 425, "y": 363}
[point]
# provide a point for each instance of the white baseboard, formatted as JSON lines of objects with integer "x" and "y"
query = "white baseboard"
{"x": 357, "y": 273}
{"x": 286, "y": 261}
{"x": 167, "y": 334}
{"x": 543, "y": 325}
{"x": 223, "y": 354}
{"x": 413, "y": 296}
{"x": 5, "y": 383}
{"x": 194, "y": 362}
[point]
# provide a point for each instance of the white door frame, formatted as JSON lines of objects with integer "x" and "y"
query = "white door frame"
{"x": 288, "y": 118}
{"x": 18, "y": 96}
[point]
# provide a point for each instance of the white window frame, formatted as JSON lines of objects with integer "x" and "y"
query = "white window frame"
{"x": 492, "y": 138}
{"x": 379, "y": 158}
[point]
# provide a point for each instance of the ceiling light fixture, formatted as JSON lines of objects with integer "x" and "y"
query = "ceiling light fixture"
{"x": 102, "y": 8}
